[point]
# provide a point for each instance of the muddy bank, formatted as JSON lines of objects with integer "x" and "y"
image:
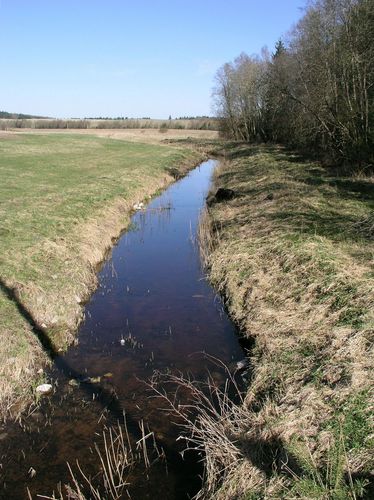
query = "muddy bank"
{"x": 289, "y": 248}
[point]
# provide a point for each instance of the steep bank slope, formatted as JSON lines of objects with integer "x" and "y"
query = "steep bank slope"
{"x": 292, "y": 253}
{"x": 63, "y": 198}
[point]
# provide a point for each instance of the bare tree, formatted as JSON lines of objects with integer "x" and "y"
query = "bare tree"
{"x": 316, "y": 92}
{"x": 239, "y": 97}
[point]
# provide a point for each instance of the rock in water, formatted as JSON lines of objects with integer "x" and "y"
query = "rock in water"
{"x": 44, "y": 388}
{"x": 138, "y": 206}
{"x": 222, "y": 194}
{"x": 31, "y": 472}
{"x": 242, "y": 364}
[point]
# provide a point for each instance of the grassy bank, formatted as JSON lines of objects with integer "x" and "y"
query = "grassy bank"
{"x": 292, "y": 252}
{"x": 63, "y": 198}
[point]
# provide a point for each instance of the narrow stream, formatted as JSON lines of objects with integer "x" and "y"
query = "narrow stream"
{"x": 153, "y": 310}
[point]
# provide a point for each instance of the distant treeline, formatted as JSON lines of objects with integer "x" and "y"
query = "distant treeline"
{"x": 315, "y": 92}
{"x": 112, "y": 123}
{"x": 17, "y": 116}
{"x": 145, "y": 118}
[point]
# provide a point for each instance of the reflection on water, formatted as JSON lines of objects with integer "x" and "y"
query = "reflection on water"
{"x": 153, "y": 310}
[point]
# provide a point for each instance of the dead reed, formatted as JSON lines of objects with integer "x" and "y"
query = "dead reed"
{"x": 117, "y": 460}
{"x": 210, "y": 418}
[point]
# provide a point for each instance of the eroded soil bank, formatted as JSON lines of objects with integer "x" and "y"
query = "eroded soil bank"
{"x": 291, "y": 250}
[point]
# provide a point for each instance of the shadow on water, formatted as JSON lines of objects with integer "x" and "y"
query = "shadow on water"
{"x": 108, "y": 400}
{"x": 153, "y": 311}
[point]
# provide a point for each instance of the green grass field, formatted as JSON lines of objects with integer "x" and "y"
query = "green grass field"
{"x": 62, "y": 200}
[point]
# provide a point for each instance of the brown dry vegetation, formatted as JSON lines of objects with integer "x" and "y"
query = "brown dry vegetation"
{"x": 148, "y": 136}
{"x": 292, "y": 253}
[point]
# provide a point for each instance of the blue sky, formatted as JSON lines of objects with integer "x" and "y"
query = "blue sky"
{"x": 76, "y": 58}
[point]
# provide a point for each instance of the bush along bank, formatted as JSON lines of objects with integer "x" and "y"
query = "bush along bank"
{"x": 291, "y": 250}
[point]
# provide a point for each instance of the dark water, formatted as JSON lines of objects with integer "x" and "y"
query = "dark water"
{"x": 153, "y": 296}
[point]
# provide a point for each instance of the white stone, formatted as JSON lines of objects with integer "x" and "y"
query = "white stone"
{"x": 138, "y": 206}
{"x": 44, "y": 388}
{"x": 242, "y": 364}
{"x": 32, "y": 472}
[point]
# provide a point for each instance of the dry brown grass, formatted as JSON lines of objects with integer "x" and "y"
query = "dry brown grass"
{"x": 208, "y": 419}
{"x": 148, "y": 136}
{"x": 297, "y": 277}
